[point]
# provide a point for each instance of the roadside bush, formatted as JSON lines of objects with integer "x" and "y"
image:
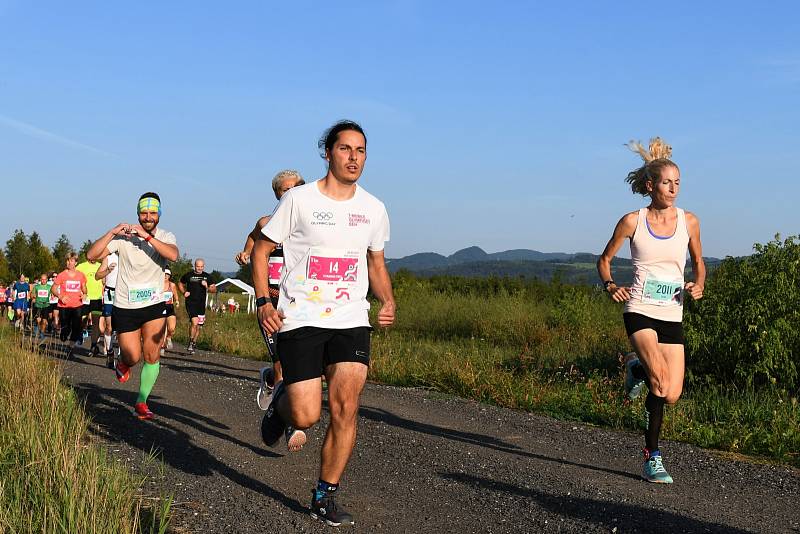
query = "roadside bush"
{"x": 745, "y": 329}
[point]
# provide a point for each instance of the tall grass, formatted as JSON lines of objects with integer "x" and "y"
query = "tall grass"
{"x": 552, "y": 349}
{"x": 53, "y": 478}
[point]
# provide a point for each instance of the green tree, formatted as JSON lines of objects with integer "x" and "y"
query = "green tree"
{"x": 61, "y": 249}
{"x": 18, "y": 255}
{"x": 83, "y": 250}
{"x": 216, "y": 276}
{"x": 5, "y": 274}
{"x": 245, "y": 274}
{"x": 42, "y": 259}
{"x": 180, "y": 267}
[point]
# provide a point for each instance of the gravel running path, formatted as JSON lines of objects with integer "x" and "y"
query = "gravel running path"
{"x": 424, "y": 463}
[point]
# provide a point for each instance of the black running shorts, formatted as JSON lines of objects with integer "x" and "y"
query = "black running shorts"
{"x": 195, "y": 309}
{"x": 668, "y": 332}
{"x": 94, "y": 306}
{"x": 307, "y": 351}
{"x": 170, "y": 310}
{"x": 126, "y": 320}
{"x": 42, "y": 313}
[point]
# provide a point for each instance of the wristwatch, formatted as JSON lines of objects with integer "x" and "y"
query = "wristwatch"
{"x": 261, "y": 301}
{"x": 608, "y": 283}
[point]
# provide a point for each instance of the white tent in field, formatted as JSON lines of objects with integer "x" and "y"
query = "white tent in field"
{"x": 246, "y": 288}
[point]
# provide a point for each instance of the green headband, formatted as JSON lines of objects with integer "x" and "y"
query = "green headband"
{"x": 149, "y": 204}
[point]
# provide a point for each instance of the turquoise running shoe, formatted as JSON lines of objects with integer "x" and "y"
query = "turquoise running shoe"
{"x": 633, "y": 385}
{"x": 653, "y": 469}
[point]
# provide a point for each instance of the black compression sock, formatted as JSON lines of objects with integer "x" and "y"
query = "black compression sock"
{"x": 324, "y": 488}
{"x": 638, "y": 372}
{"x": 655, "y": 414}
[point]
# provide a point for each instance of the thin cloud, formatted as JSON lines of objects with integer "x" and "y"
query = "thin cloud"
{"x": 38, "y": 133}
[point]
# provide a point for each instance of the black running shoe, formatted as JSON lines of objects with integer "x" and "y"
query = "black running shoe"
{"x": 272, "y": 425}
{"x": 326, "y": 510}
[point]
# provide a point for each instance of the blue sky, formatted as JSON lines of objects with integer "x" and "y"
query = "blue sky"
{"x": 500, "y": 125}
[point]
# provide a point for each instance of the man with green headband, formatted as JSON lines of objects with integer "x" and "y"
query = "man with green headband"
{"x": 139, "y": 311}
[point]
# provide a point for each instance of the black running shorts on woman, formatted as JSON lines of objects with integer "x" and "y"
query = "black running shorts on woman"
{"x": 668, "y": 332}
{"x": 129, "y": 320}
{"x": 306, "y": 351}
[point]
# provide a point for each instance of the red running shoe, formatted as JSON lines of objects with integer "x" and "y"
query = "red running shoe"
{"x": 123, "y": 372}
{"x": 142, "y": 411}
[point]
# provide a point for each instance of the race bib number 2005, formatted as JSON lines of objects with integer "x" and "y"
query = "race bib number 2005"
{"x": 139, "y": 295}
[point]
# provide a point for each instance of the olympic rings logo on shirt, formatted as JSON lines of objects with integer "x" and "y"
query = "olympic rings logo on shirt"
{"x": 323, "y": 215}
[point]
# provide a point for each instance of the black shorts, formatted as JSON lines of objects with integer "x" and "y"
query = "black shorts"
{"x": 195, "y": 309}
{"x": 170, "y": 310}
{"x": 41, "y": 313}
{"x": 668, "y": 332}
{"x": 126, "y": 320}
{"x": 306, "y": 351}
{"x": 94, "y": 306}
{"x": 52, "y": 308}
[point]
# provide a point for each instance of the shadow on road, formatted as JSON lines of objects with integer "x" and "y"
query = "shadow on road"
{"x": 110, "y": 409}
{"x": 183, "y": 357}
{"x": 380, "y": 415}
{"x": 611, "y": 515}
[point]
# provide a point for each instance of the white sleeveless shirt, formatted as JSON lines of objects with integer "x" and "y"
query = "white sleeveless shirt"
{"x": 658, "y": 266}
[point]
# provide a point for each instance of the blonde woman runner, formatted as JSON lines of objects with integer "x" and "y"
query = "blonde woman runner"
{"x": 659, "y": 236}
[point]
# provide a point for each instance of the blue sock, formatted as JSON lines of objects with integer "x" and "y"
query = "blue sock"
{"x": 324, "y": 488}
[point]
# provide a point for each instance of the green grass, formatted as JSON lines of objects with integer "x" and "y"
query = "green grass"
{"x": 557, "y": 355}
{"x": 53, "y": 477}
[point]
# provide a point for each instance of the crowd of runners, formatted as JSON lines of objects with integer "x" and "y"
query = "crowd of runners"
{"x": 313, "y": 261}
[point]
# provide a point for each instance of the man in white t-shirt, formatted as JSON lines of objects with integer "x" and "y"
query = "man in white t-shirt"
{"x": 333, "y": 234}
{"x": 140, "y": 313}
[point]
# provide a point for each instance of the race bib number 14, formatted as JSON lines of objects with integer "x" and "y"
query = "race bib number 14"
{"x": 333, "y": 266}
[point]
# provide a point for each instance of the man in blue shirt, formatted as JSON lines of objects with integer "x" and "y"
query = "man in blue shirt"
{"x": 21, "y": 295}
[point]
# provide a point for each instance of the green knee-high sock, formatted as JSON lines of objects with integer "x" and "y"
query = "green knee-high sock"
{"x": 148, "y": 380}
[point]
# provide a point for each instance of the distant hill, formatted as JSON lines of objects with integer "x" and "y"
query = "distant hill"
{"x": 475, "y": 262}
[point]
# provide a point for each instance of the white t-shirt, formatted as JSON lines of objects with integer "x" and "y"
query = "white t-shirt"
{"x": 111, "y": 277}
{"x": 140, "y": 278}
{"x": 325, "y": 281}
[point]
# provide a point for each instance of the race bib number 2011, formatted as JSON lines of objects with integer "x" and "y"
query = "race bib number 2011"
{"x": 662, "y": 292}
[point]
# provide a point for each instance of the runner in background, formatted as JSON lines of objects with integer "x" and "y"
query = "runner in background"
{"x": 659, "y": 236}
{"x": 139, "y": 313}
{"x": 171, "y": 300}
{"x": 53, "y": 315}
{"x": 94, "y": 308}
{"x": 4, "y": 299}
{"x": 194, "y": 286}
{"x": 10, "y": 313}
{"x": 41, "y": 306}
{"x": 21, "y": 297}
{"x": 70, "y": 288}
{"x": 108, "y": 274}
{"x": 269, "y": 376}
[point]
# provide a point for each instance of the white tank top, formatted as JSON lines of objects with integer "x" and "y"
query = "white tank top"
{"x": 111, "y": 278}
{"x": 658, "y": 265}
